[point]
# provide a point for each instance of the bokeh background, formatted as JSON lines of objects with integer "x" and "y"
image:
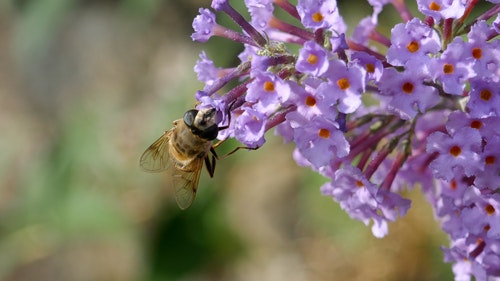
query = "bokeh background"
{"x": 85, "y": 87}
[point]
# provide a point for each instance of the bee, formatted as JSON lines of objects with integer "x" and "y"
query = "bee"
{"x": 182, "y": 150}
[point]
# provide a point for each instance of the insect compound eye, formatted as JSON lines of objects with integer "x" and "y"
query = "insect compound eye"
{"x": 209, "y": 133}
{"x": 189, "y": 117}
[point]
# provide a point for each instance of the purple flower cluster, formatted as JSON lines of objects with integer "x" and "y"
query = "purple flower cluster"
{"x": 422, "y": 109}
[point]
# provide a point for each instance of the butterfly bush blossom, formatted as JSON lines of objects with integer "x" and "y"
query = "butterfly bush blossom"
{"x": 422, "y": 109}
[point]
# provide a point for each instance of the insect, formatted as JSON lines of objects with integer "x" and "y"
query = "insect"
{"x": 182, "y": 150}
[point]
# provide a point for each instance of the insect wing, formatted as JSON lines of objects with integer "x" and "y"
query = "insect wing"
{"x": 156, "y": 158}
{"x": 185, "y": 181}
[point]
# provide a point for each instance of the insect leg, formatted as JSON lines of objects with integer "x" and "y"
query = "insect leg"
{"x": 210, "y": 162}
{"x": 217, "y": 145}
{"x": 212, "y": 149}
{"x": 228, "y": 113}
{"x": 210, "y": 165}
{"x": 214, "y": 154}
{"x": 238, "y": 148}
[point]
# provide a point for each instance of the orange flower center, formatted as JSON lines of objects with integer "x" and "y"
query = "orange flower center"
{"x": 268, "y": 86}
{"x": 317, "y": 17}
{"x": 448, "y": 68}
{"x": 370, "y": 68}
{"x": 408, "y": 87}
{"x": 343, "y": 83}
{"x": 413, "y": 47}
{"x": 489, "y": 160}
{"x": 476, "y": 124}
{"x": 324, "y": 133}
{"x": 485, "y": 95}
{"x": 477, "y": 53}
{"x": 312, "y": 59}
{"x": 434, "y": 6}
{"x": 453, "y": 184}
{"x": 490, "y": 210}
{"x": 310, "y": 101}
{"x": 455, "y": 151}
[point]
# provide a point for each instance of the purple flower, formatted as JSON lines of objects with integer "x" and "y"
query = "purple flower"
{"x": 457, "y": 154}
{"x": 249, "y": 127}
{"x": 300, "y": 159}
{"x": 285, "y": 130}
{"x": 317, "y": 14}
{"x": 416, "y": 173}
{"x": 448, "y": 209}
{"x": 363, "y": 30}
{"x": 420, "y": 108}
{"x": 484, "y": 98}
{"x": 412, "y": 41}
{"x": 339, "y": 44}
{"x": 391, "y": 205}
{"x": 320, "y": 141}
{"x": 487, "y": 127}
{"x": 312, "y": 59}
{"x": 489, "y": 179}
{"x": 364, "y": 201}
{"x": 496, "y": 23}
{"x": 482, "y": 213}
{"x": 462, "y": 268}
{"x": 206, "y": 70}
{"x": 372, "y": 66}
{"x": 451, "y": 70}
{"x": 409, "y": 94}
{"x": 219, "y": 4}
{"x": 262, "y": 91}
{"x": 313, "y": 102}
{"x": 261, "y": 12}
{"x": 484, "y": 54}
{"x": 355, "y": 193}
{"x": 378, "y": 5}
{"x": 346, "y": 83}
{"x": 248, "y": 53}
{"x": 256, "y": 38}
{"x": 442, "y": 9}
{"x": 203, "y": 25}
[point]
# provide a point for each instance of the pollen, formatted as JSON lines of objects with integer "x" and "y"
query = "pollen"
{"x": 370, "y": 67}
{"x": 448, "y": 68}
{"x": 310, "y": 101}
{"x": 476, "y": 124}
{"x": 268, "y": 86}
{"x": 312, "y": 59}
{"x": 455, "y": 151}
{"x": 413, "y": 47}
{"x": 485, "y": 95}
{"x": 317, "y": 17}
{"x": 324, "y": 133}
{"x": 490, "y": 210}
{"x": 343, "y": 83}
{"x": 434, "y": 6}
{"x": 477, "y": 53}
{"x": 408, "y": 87}
{"x": 359, "y": 183}
{"x": 489, "y": 160}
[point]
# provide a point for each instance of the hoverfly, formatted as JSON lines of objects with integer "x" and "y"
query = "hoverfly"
{"x": 182, "y": 150}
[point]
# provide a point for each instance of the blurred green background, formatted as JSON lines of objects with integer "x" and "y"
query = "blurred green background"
{"x": 85, "y": 87}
